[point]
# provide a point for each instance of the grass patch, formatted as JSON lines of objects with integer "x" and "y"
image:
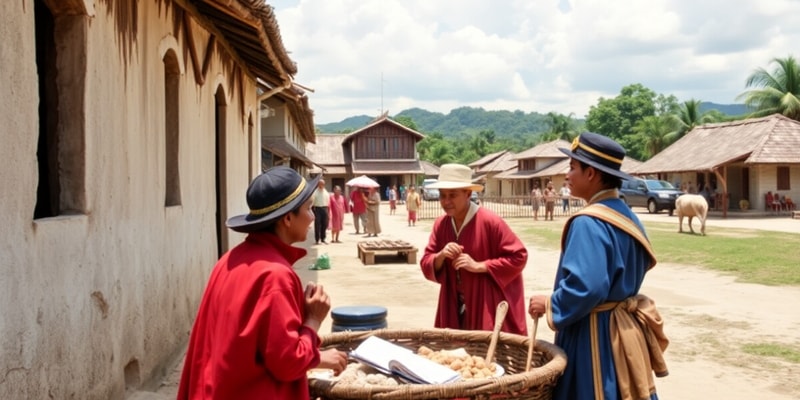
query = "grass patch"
{"x": 782, "y": 351}
{"x": 755, "y": 256}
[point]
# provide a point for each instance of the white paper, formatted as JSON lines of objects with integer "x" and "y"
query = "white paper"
{"x": 390, "y": 358}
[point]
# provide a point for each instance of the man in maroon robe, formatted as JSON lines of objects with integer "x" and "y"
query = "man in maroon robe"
{"x": 475, "y": 257}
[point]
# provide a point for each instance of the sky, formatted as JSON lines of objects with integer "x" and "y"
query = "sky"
{"x": 364, "y": 57}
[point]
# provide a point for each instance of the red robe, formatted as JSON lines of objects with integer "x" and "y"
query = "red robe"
{"x": 249, "y": 341}
{"x": 486, "y": 238}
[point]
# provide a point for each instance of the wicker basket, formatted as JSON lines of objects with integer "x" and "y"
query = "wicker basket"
{"x": 547, "y": 365}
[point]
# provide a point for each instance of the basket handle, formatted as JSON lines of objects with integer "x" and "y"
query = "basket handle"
{"x": 532, "y": 344}
{"x": 499, "y": 317}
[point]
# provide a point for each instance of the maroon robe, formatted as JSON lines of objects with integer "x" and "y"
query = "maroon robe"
{"x": 486, "y": 238}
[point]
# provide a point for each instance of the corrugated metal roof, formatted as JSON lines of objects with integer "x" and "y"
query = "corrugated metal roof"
{"x": 486, "y": 159}
{"x": 502, "y": 163}
{"x": 767, "y": 140}
{"x": 328, "y": 149}
{"x": 548, "y": 149}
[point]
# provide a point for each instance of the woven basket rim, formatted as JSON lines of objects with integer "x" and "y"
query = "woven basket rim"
{"x": 537, "y": 378}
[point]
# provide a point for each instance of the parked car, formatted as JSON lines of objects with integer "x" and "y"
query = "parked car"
{"x": 429, "y": 193}
{"x": 654, "y": 194}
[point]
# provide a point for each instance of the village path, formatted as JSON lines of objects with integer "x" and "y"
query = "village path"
{"x": 708, "y": 316}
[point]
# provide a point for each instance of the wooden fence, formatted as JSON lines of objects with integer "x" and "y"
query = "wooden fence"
{"x": 504, "y": 206}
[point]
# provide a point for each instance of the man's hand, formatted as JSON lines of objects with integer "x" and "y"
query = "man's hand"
{"x": 536, "y": 308}
{"x": 333, "y": 359}
{"x": 317, "y": 305}
{"x": 466, "y": 262}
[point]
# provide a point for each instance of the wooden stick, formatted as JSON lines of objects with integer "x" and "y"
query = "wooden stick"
{"x": 532, "y": 344}
{"x": 499, "y": 317}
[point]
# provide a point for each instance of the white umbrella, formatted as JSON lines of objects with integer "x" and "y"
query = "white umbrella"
{"x": 363, "y": 181}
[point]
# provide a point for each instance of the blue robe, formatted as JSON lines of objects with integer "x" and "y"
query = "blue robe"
{"x": 599, "y": 263}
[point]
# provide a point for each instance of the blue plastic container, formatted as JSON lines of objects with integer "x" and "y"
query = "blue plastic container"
{"x": 358, "y": 318}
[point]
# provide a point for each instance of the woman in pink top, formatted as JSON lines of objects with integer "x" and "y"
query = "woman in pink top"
{"x": 337, "y": 208}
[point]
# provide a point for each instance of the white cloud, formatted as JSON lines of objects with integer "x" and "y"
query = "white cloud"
{"x": 547, "y": 55}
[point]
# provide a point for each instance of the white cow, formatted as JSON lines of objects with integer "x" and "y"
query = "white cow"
{"x": 692, "y": 205}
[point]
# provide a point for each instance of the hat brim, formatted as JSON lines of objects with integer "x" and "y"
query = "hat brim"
{"x": 596, "y": 165}
{"x": 455, "y": 185}
{"x": 246, "y": 223}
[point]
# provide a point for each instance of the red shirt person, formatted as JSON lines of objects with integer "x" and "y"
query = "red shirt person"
{"x": 475, "y": 257}
{"x": 359, "y": 208}
{"x": 255, "y": 335}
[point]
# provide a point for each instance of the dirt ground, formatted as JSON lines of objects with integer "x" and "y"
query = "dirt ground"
{"x": 708, "y": 317}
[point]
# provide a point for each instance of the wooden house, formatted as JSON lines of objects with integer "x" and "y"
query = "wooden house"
{"x": 740, "y": 160}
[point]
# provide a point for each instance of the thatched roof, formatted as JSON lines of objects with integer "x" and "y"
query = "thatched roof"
{"x": 544, "y": 150}
{"x": 768, "y": 140}
{"x": 250, "y": 27}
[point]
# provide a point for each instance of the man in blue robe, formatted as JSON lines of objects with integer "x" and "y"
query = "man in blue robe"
{"x": 612, "y": 335}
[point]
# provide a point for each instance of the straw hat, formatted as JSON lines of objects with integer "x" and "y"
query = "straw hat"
{"x": 270, "y": 196}
{"x": 455, "y": 176}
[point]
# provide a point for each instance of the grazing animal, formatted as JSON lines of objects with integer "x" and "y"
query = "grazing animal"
{"x": 692, "y": 205}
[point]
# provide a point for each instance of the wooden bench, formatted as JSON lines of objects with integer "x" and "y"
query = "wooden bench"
{"x": 795, "y": 214}
{"x": 369, "y": 248}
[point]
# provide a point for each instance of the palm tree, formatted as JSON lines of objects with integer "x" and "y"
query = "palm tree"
{"x": 687, "y": 118}
{"x": 776, "y": 92}
{"x": 652, "y": 131}
{"x": 561, "y": 127}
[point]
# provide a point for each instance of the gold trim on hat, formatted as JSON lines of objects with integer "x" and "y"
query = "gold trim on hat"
{"x": 283, "y": 202}
{"x": 576, "y": 143}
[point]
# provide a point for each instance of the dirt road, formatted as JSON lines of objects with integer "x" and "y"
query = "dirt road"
{"x": 709, "y": 317}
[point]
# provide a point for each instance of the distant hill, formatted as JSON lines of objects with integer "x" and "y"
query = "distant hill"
{"x": 460, "y": 120}
{"x": 468, "y": 120}
{"x": 345, "y": 125}
{"x": 727, "y": 109}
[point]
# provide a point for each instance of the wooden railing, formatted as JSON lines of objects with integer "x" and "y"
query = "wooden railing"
{"x": 505, "y": 206}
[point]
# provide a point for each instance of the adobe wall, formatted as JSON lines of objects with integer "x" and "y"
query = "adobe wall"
{"x": 107, "y": 296}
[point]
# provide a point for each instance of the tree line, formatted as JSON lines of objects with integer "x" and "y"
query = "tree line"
{"x": 643, "y": 121}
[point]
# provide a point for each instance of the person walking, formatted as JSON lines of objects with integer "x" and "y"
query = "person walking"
{"x": 536, "y": 200}
{"x": 392, "y": 200}
{"x": 549, "y": 201}
{"x": 321, "y": 200}
{"x": 373, "y": 202}
{"x": 359, "y": 209}
{"x": 256, "y": 331}
{"x": 612, "y": 335}
{"x": 338, "y": 207}
{"x": 476, "y": 259}
{"x": 413, "y": 204}
{"x": 565, "y": 195}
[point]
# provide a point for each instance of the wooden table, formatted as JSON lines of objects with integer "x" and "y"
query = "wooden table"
{"x": 367, "y": 250}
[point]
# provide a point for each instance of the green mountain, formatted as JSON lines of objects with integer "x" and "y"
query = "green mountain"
{"x": 509, "y": 126}
{"x": 467, "y": 120}
{"x": 727, "y": 109}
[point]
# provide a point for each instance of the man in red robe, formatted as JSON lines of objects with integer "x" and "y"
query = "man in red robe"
{"x": 255, "y": 335}
{"x": 475, "y": 257}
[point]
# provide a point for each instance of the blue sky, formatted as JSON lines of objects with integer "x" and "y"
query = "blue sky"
{"x": 364, "y": 56}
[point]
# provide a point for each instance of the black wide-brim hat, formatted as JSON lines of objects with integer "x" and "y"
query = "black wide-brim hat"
{"x": 270, "y": 196}
{"x": 600, "y": 152}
